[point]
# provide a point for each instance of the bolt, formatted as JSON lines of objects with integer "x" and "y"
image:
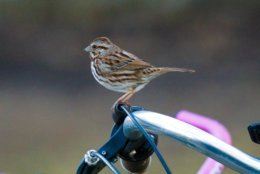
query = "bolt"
{"x": 132, "y": 153}
{"x": 103, "y": 153}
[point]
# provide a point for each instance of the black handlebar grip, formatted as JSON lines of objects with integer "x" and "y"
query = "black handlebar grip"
{"x": 118, "y": 114}
{"x": 136, "y": 166}
{"x": 136, "y": 155}
{"x": 254, "y": 132}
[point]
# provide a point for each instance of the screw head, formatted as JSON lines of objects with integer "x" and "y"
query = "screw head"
{"x": 90, "y": 159}
{"x": 103, "y": 153}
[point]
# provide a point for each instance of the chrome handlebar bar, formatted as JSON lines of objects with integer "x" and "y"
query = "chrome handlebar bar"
{"x": 194, "y": 138}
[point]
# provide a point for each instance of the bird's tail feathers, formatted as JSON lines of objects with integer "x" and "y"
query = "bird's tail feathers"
{"x": 154, "y": 72}
{"x": 169, "y": 69}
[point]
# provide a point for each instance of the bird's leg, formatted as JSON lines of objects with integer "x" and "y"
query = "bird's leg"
{"x": 124, "y": 98}
{"x": 119, "y": 100}
{"x": 127, "y": 97}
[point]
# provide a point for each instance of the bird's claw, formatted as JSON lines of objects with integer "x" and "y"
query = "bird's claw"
{"x": 120, "y": 102}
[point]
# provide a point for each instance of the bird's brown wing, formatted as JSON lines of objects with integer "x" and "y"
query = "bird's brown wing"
{"x": 125, "y": 61}
{"x": 138, "y": 64}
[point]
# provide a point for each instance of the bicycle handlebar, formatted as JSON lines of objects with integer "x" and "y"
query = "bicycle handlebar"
{"x": 196, "y": 139}
{"x": 128, "y": 143}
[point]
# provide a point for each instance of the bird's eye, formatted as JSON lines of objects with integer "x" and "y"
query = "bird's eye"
{"x": 94, "y": 46}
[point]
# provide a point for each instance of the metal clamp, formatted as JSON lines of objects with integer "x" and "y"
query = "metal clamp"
{"x": 90, "y": 158}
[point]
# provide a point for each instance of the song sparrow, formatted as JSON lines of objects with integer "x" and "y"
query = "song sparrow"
{"x": 121, "y": 71}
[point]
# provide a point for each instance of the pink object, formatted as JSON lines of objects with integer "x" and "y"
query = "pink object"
{"x": 213, "y": 127}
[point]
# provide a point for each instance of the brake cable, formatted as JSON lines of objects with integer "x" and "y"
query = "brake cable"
{"x": 149, "y": 139}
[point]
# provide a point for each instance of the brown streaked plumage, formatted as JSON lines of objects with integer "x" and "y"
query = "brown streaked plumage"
{"x": 121, "y": 71}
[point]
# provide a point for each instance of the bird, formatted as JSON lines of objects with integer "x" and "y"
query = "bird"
{"x": 121, "y": 71}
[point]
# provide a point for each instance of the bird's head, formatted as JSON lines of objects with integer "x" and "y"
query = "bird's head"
{"x": 101, "y": 46}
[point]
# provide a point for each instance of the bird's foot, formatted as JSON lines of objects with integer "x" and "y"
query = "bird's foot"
{"x": 120, "y": 102}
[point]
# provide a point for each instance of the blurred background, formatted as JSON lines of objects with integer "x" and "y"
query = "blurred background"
{"x": 52, "y": 110}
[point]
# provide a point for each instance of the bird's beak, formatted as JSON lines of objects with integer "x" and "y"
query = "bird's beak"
{"x": 88, "y": 49}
